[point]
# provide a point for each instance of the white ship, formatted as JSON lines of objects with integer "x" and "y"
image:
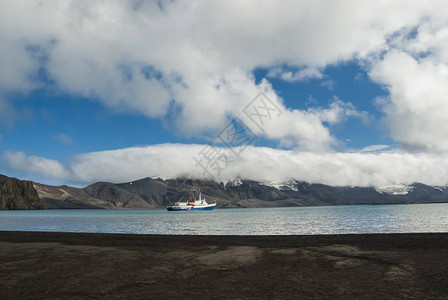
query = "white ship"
{"x": 199, "y": 204}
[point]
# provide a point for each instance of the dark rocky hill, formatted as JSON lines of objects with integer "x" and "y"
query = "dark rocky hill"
{"x": 18, "y": 194}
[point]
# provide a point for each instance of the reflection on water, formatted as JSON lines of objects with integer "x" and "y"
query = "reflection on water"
{"x": 239, "y": 221}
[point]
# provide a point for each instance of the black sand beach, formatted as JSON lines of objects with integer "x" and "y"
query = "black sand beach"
{"x": 36, "y": 265}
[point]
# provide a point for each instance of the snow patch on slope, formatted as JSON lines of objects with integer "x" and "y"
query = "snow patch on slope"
{"x": 396, "y": 189}
{"x": 288, "y": 185}
{"x": 237, "y": 182}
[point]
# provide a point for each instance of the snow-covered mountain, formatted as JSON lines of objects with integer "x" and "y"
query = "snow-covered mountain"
{"x": 157, "y": 193}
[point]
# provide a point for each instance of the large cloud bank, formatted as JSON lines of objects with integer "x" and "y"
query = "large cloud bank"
{"x": 184, "y": 60}
{"x": 367, "y": 168}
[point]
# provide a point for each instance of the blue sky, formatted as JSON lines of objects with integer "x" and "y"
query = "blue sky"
{"x": 59, "y": 126}
{"x": 114, "y": 91}
{"x": 349, "y": 82}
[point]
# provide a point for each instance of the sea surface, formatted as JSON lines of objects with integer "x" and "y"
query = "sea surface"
{"x": 237, "y": 221}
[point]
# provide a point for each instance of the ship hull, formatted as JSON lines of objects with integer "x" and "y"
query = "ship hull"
{"x": 205, "y": 207}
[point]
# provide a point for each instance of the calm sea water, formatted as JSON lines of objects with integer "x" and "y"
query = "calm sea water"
{"x": 243, "y": 221}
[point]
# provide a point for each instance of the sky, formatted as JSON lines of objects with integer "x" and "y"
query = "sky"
{"x": 346, "y": 93}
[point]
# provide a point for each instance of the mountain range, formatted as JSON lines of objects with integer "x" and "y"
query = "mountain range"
{"x": 157, "y": 193}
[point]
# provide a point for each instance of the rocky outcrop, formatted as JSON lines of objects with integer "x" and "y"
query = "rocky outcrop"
{"x": 18, "y": 194}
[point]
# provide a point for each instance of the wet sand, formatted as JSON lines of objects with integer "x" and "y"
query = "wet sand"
{"x": 36, "y": 265}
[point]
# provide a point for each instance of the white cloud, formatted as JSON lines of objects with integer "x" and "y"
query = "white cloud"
{"x": 374, "y": 148}
{"x": 329, "y": 84}
{"x": 195, "y": 58}
{"x": 258, "y": 163}
{"x": 417, "y": 109}
{"x": 34, "y": 165}
{"x": 415, "y": 71}
{"x": 339, "y": 110}
{"x": 301, "y": 75}
{"x": 305, "y": 129}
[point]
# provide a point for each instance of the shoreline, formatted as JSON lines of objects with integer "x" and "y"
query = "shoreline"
{"x": 229, "y": 207}
{"x": 54, "y": 265}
